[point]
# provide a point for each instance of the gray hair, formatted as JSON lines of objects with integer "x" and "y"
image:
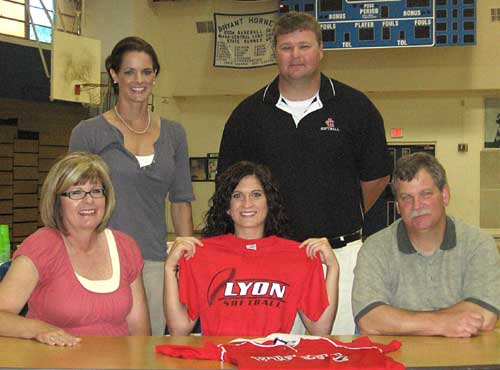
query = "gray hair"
{"x": 408, "y": 166}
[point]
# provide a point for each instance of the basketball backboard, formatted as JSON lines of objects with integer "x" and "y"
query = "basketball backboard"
{"x": 76, "y": 73}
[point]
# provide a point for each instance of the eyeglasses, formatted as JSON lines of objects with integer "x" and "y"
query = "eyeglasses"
{"x": 80, "y": 194}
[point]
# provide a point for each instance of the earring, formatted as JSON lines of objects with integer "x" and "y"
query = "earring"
{"x": 154, "y": 82}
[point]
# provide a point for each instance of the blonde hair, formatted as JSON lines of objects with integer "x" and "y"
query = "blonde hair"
{"x": 75, "y": 168}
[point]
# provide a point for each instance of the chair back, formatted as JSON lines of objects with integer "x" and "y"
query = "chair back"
{"x": 4, "y": 267}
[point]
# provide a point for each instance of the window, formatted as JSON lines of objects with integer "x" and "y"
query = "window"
{"x": 41, "y": 22}
{"x": 12, "y": 17}
{"x": 22, "y": 18}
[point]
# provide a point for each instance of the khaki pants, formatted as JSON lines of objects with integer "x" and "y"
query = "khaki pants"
{"x": 347, "y": 257}
{"x": 344, "y": 320}
{"x": 152, "y": 275}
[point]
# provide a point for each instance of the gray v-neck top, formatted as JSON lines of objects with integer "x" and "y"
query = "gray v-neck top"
{"x": 140, "y": 191}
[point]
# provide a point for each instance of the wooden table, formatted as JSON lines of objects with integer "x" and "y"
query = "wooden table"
{"x": 482, "y": 352}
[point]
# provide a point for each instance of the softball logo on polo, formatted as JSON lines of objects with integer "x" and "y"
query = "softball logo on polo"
{"x": 329, "y": 125}
{"x": 251, "y": 292}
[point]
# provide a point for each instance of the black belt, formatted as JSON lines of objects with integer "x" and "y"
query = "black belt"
{"x": 341, "y": 241}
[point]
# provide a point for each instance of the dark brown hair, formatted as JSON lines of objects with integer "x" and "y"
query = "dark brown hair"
{"x": 218, "y": 222}
{"x": 132, "y": 43}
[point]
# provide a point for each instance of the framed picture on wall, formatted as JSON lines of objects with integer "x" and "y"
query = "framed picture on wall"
{"x": 492, "y": 123}
{"x": 212, "y": 160}
{"x": 198, "y": 166}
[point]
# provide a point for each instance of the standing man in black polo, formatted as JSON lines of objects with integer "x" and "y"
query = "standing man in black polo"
{"x": 323, "y": 140}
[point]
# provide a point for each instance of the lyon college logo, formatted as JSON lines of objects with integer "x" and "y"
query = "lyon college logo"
{"x": 329, "y": 125}
{"x": 225, "y": 288}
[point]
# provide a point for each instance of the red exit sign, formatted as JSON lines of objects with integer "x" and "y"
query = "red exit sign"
{"x": 396, "y": 132}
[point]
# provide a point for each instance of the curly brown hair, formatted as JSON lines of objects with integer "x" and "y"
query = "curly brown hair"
{"x": 217, "y": 220}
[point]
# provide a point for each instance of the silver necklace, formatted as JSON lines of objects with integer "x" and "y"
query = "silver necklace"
{"x": 131, "y": 128}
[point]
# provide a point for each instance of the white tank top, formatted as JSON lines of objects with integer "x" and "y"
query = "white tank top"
{"x": 145, "y": 160}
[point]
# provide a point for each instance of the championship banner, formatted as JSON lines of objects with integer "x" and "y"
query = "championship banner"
{"x": 244, "y": 40}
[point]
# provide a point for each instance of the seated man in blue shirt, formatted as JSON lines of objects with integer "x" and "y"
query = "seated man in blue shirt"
{"x": 426, "y": 274}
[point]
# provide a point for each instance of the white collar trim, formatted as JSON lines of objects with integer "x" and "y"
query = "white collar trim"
{"x": 298, "y": 110}
{"x": 111, "y": 284}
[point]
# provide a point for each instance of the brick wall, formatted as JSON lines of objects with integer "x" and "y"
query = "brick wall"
{"x": 32, "y": 136}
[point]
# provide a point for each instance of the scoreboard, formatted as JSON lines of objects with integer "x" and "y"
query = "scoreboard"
{"x": 390, "y": 23}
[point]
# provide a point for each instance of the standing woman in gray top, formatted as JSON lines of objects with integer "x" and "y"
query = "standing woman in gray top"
{"x": 148, "y": 160}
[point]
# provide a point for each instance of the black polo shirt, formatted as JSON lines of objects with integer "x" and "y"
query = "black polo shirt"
{"x": 319, "y": 162}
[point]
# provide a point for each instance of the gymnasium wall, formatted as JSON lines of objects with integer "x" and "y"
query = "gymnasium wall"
{"x": 434, "y": 94}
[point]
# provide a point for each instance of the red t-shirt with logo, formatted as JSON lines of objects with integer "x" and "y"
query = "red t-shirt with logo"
{"x": 318, "y": 353}
{"x": 251, "y": 287}
{"x": 294, "y": 353}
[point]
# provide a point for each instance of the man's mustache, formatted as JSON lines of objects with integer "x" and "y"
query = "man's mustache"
{"x": 420, "y": 212}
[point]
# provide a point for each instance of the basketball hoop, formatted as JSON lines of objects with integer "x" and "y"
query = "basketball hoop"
{"x": 86, "y": 86}
{"x": 97, "y": 98}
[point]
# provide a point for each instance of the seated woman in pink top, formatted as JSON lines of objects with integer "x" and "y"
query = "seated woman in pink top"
{"x": 78, "y": 277}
